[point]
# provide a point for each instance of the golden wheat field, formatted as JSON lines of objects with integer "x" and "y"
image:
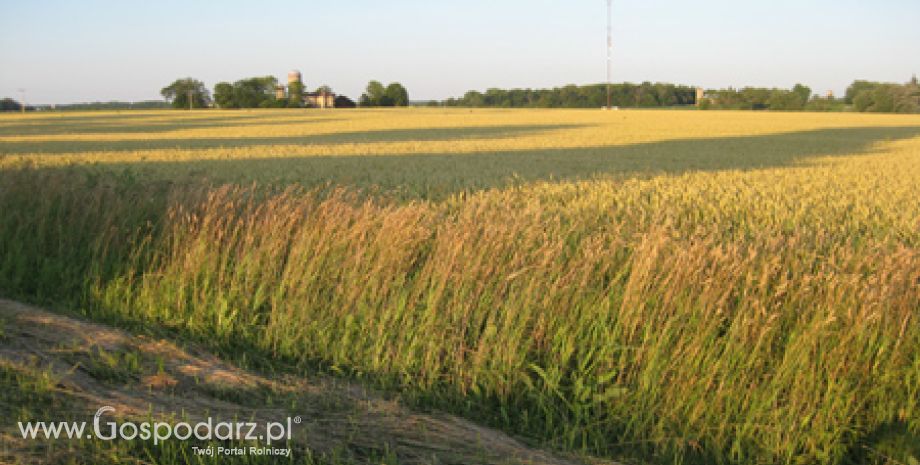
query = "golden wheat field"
{"x": 661, "y": 286}
{"x": 443, "y": 151}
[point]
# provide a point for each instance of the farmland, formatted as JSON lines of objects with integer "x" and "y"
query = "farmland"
{"x": 654, "y": 286}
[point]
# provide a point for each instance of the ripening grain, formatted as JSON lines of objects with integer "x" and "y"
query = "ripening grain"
{"x": 676, "y": 286}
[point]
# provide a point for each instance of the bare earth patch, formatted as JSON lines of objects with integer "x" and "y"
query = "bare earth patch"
{"x": 142, "y": 377}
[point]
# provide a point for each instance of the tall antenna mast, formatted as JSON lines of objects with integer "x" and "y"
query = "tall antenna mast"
{"x": 609, "y": 46}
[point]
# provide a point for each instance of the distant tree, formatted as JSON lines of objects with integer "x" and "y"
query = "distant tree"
{"x": 274, "y": 103}
{"x": 397, "y": 95}
{"x": 223, "y": 95}
{"x": 375, "y": 93}
{"x": 473, "y": 99}
{"x": 784, "y": 100}
{"x": 9, "y": 104}
{"x": 324, "y": 89}
{"x": 862, "y": 100}
{"x": 295, "y": 94}
{"x": 342, "y": 101}
{"x": 803, "y": 94}
{"x": 591, "y": 96}
{"x": 886, "y": 98}
{"x": 857, "y": 87}
{"x": 187, "y": 93}
{"x": 256, "y": 92}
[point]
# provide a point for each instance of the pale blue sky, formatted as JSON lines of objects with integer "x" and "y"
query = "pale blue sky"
{"x": 69, "y": 51}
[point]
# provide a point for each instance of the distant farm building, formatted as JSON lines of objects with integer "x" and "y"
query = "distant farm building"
{"x": 319, "y": 99}
{"x": 322, "y": 98}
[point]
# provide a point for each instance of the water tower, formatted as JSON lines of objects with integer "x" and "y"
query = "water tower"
{"x": 294, "y": 76}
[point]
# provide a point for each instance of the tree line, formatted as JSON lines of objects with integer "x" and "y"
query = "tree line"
{"x": 883, "y": 97}
{"x": 8, "y": 104}
{"x": 861, "y": 96}
{"x": 376, "y": 95}
{"x": 263, "y": 92}
{"x": 758, "y": 98}
{"x": 644, "y": 95}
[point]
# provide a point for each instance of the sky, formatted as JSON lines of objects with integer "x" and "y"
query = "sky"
{"x": 92, "y": 50}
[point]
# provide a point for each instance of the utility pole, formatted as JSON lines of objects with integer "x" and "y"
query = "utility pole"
{"x": 609, "y": 46}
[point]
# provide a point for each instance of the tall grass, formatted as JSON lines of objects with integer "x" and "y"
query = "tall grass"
{"x": 765, "y": 316}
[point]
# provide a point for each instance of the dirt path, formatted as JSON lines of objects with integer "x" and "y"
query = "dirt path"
{"x": 99, "y": 365}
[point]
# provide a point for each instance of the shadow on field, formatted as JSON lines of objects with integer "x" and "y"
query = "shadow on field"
{"x": 434, "y": 175}
{"x": 64, "y": 124}
{"x": 66, "y": 239}
{"x": 355, "y": 137}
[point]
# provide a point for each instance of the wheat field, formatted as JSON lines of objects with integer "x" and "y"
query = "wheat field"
{"x": 654, "y": 286}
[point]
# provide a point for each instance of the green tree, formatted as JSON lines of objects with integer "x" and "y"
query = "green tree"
{"x": 888, "y": 98}
{"x": 375, "y": 93}
{"x": 856, "y": 88}
{"x": 187, "y": 93}
{"x": 397, "y": 95}
{"x": 803, "y": 94}
{"x": 295, "y": 94}
{"x": 256, "y": 92}
{"x": 223, "y": 95}
{"x": 9, "y": 104}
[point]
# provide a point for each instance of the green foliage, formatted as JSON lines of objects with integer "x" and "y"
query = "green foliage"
{"x": 793, "y": 100}
{"x": 223, "y": 95}
{"x": 863, "y": 95}
{"x": 256, "y": 92}
{"x": 295, "y": 94}
{"x": 397, "y": 95}
{"x": 376, "y": 95}
{"x": 187, "y": 93}
{"x": 856, "y": 88}
{"x": 373, "y": 95}
{"x": 592, "y": 96}
{"x": 825, "y": 104}
{"x": 802, "y": 92}
{"x": 117, "y": 366}
{"x": 8, "y": 104}
{"x": 888, "y": 98}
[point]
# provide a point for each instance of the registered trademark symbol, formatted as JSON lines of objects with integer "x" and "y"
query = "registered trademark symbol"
{"x": 297, "y": 419}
